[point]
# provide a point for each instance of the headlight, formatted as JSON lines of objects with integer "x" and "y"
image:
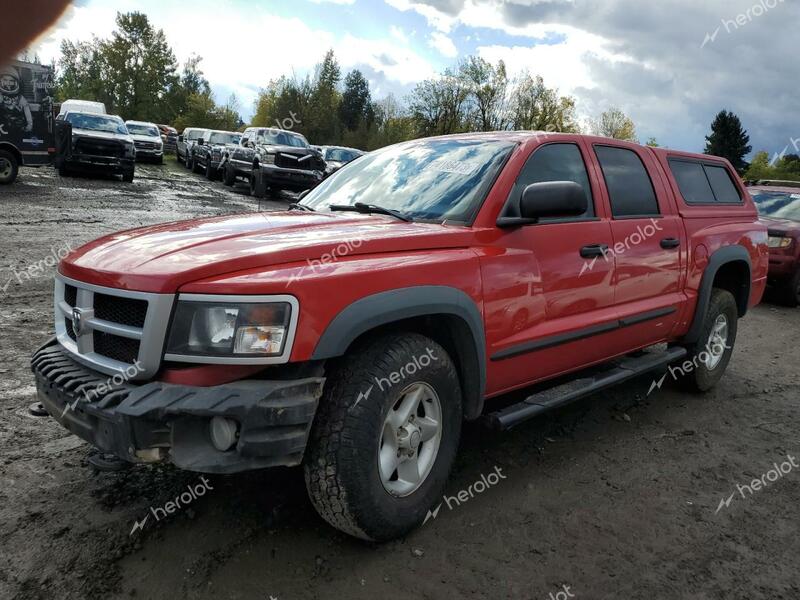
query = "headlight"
{"x": 779, "y": 242}
{"x": 241, "y": 329}
{"x": 268, "y": 159}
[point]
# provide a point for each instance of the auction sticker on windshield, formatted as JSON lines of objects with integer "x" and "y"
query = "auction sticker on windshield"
{"x": 454, "y": 166}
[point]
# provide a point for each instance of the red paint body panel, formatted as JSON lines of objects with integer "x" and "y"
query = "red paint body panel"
{"x": 528, "y": 283}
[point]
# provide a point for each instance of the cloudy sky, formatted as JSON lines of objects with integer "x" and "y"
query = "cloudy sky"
{"x": 670, "y": 64}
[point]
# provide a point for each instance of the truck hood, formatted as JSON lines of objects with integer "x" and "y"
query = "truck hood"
{"x": 163, "y": 258}
{"x": 101, "y": 135}
{"x": 785, "y": 225}
{"x": 146, "y": 138}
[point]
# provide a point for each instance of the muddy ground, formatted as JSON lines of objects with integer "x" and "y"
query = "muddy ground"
{"x": 617, "y": 497}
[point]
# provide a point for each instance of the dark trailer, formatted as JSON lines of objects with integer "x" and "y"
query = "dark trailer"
{"x": 27, "y": 120}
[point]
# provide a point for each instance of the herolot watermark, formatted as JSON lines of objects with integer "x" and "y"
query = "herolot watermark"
{"x": 778, "y": 156}
{"x": 412, "y": 368}
{"x": 775, "y": 474}
{"x": 40, "y": 267}
{"x": 341, "y": 250}
{"x": 286, "y": 124}
{"x": 104, "y": 388}
{"x": 192, "y": 493}
{"x": 562, "y": 594}
{"x": 479, "y": 487}
{"x": 642, "y": 234}
{"x": 731, "y": 25}
{"x": 689, "y": 366}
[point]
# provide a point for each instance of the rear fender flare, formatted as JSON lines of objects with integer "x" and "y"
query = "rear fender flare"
{"x": 720, "y": 258}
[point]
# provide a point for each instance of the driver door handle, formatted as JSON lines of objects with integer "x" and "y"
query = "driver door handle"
{"x": 669, "y": 243}
{"x": 594, "y": 251}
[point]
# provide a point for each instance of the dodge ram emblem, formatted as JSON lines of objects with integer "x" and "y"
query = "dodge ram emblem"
{"x": 77, "y": 321}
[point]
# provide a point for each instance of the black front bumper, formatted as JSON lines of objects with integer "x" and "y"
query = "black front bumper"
{"x": 159, "y": 421}
{"x": 291, "y": 179}
{"x": 94, "y": 162}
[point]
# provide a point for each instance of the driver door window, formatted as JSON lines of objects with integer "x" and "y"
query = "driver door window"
{"x": 555, "y": 162}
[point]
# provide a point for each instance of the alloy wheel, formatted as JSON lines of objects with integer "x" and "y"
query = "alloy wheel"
{"x": 412, "y": 433}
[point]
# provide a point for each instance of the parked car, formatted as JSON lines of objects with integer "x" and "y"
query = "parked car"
{"x": 169, "y": 136}
{"x": 353, "y": 333}
{"x": 27, "y": 133}
{"x": 94, "y": 142}
{"x": 209, "y": 148}
{"x": 147, "y": 141}
{"x": 186, "y": 141}
{"x": 81, "y": 106}
{"x": 338, "y": 156}
{"x": 779, "y": 207}
{"x": 273, "y": 159}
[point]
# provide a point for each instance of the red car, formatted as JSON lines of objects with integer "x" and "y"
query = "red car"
{"x": 779, "y": 206}
{"x": 353, "y": 333}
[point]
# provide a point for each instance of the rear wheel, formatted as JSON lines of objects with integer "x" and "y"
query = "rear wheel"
{"x": 385, "y": 437}
{"x": 709, "y": 357}
{"x": 9, "y": 167}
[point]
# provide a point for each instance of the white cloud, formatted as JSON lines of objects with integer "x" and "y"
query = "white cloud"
{"x": 244, "y": 54}
{"x": 443, "y": 44}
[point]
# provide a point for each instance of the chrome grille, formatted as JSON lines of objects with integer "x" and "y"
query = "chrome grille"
{"x": 111, "y": 329}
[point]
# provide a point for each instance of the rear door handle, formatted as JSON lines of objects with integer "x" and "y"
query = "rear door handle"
{"x": 594, "y": 251}
{"x": 670, "y": 243}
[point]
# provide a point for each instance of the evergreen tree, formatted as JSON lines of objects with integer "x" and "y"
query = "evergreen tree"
{"x": 729, "y": 140}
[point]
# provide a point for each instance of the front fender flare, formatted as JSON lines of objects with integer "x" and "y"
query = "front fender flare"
{"x": 396, "y": 305}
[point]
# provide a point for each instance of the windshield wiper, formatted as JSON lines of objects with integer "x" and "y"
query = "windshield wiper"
{"x": 366, "y": 209}
{"x": 298, "y": 206}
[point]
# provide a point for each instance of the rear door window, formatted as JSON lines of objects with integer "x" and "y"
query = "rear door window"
{"x": 630, "y": 189}
{"x": 722, "y": 184}
{"x": 703, "y": 183}
{"x": 692, "y": 181}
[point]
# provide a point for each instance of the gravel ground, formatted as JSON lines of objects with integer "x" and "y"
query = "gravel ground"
{"x": 620, "y": 496}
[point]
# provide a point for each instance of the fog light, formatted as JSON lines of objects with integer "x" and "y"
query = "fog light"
{"x": 223, "y": 433}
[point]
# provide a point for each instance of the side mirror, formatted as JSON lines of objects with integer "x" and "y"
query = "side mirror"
{"x": 200, "y": 141}
{"x": 180, "y": 138}
{"x": 553, "y": 199}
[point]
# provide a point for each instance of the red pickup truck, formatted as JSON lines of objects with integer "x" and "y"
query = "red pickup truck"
{"x": 353, "y": 333}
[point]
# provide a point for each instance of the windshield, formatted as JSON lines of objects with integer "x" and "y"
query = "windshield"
{"x": 778, "y": 205}
{"x": 281, "y": 138}
{"x": 195, "y": 135}
{"x": 142, "y": 130}
{"x": 97, "y": 123}
{"x": 434, "y": 180}
{"x": 224, "y": 138}
{"x": 340, "y": 155}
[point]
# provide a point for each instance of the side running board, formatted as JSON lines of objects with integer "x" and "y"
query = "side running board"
{"x": 557, "y": 396}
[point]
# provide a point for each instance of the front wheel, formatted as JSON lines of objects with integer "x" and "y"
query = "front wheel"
{"x": 258, "y": 187}
{"x": 385, "y": 437}
{"x": 9, "y": 167}
{"x": 790, "y": 291}
{"x": 127, "y": 176}
{"x": 228, "y": 175}
{"x": 710, "y": 355}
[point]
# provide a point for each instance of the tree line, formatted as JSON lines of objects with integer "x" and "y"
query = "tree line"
{"x": 135, "y": 73}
